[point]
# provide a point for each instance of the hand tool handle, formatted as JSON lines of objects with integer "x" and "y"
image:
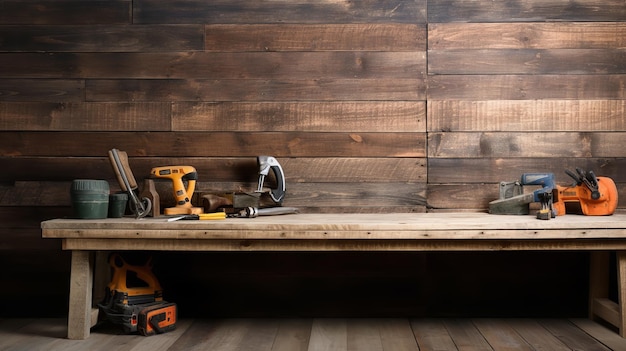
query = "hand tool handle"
{"x": 267, "y": 163}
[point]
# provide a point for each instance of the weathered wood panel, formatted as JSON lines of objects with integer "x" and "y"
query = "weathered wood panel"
{"x": 101, "y": 38}
{"x": 527, "y": 61}
{"x": 532, "y": 35}
{"x": 218, "y": 169}
{"x": 294, "y": 89}
{"x": 495, "y": 170}
{"x": 42, "y": 90}
{"x": 527, "y": 115}
{"x": 299, "y": 116}
{"x": 323, "y": 196}
{"x": 508, "y": 144}
{"x": 62, "y": 116}
{"x": 222, "y": 65}
{"x": 527, "y": 87}
{"x": 315, "y": 37}
{"x": 281, "y": 11}
{"x": 214, "y": 144}
{"x": 525, "y": 10}
{"x": 66, "y": 12}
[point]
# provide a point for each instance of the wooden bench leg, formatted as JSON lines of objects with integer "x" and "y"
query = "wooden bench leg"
{"x": 621, "y": 290}
{"x": 599, "y": 262}
{"x": 600, "y": 306}
{"x": 81, "y": 285}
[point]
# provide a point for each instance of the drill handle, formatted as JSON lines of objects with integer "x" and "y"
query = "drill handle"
{"x": 546, "y": 180}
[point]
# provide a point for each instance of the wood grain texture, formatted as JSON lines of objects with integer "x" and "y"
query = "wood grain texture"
{"x": 524, "y": 11}
{"x": 315, "y": 37}
{"x": 222, "y": 65}
{"x": 70, "y": 116}
{"x": 531, "y": 35}
{"x": 101, "y": 38}
{"x": 527, "y": 87}
{"x": 506, "y": 145}
{"x": 66, "y": 12}
{"x": 535, "y": 335}
{"x": 565, "y": 331}
{"x": 310, "y": 117}
{"x": 494, "y": 170}
{"x": 283, "y": 11}
{"x": 404, "y": 197}
{"x": 585, "y": 116}
{"x": 501, "y": 337}
{"x": 527, "y": 61}
{"x": 265, "y": 90}
{"x": 47, "y": 333}
{"x": 215, "y": 144}
{"x": 42, "y": 90}
{"x": 226, "y": 172}
{"x": 432, "y": 335}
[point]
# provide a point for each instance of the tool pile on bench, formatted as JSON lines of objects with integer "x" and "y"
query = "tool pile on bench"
{"x": 590, "y": 195}
{"x": 210, "y": 206}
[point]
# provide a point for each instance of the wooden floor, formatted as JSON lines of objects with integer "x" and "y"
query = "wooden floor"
{"x": 324, "y": 334}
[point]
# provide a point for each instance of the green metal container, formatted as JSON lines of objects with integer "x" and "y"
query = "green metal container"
{"x": 90, "y": 198}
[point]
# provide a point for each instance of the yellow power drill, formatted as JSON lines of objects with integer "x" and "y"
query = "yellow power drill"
{"x": 178, "y": 175}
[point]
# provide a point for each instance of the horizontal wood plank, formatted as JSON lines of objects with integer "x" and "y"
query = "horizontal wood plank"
{"x": 422, "y": 227}
{"x": 527, "y": 115}
{"x": 288, "y": 89}
{"x": 340, "y": 245}
{"x": 312, "y": 194}
{"x": 66, "y": 12}
{"x": 42, "y": 90}
{"x": 532, "y": 35}
{"x": 215, "y": 144}
{"x": 506, "y": 145}
{"x": 524, "y": 11}
{"x": 306, "y": 117}
{"x": 495, "y": 170}
{"x": 101, "y": 38}
{"x": 62, "y": 116}
{"x": 210, "y": 65}
{"x": 316, "y": 37}
{"x": 282, "y": 11}
{"x": 462, "y": 197}
{"x": 527, "y": 87}
{"x": 527, "y": 61}
{"x": 229, "y": 170}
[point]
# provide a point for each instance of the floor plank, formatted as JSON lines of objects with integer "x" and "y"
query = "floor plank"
{"x": 607, "y": 337}
{"x": 293, "y": 335}
{"x": 364, "y": 334}
{"x": 465, "y": 335}
{"x": 396, "y": 334}
{"x": 432, "y": 335}
{"x": 571, "y": 336}
{"x": 536, "y": 335}
{"x": 500, "y": 335}
{"x": 224, "y": 334}
{"x": 329, "y": 334}
{"x": 332, "y": 334}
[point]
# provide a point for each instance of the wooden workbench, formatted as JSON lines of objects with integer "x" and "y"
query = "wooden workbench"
{"x": 346, "y": 232}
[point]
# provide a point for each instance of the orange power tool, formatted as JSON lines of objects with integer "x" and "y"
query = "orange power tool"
{"x": 590, "y": 195}
{"x": 134, "y": 300}
{"x": 178, "y": 175}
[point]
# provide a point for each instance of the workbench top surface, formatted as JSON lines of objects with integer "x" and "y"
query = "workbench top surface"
{"x": 462, "y": 225}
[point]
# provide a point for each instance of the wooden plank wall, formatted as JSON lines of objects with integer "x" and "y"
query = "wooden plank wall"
{"x": 523, "y": 86}
{"x": 370, "y": 106}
